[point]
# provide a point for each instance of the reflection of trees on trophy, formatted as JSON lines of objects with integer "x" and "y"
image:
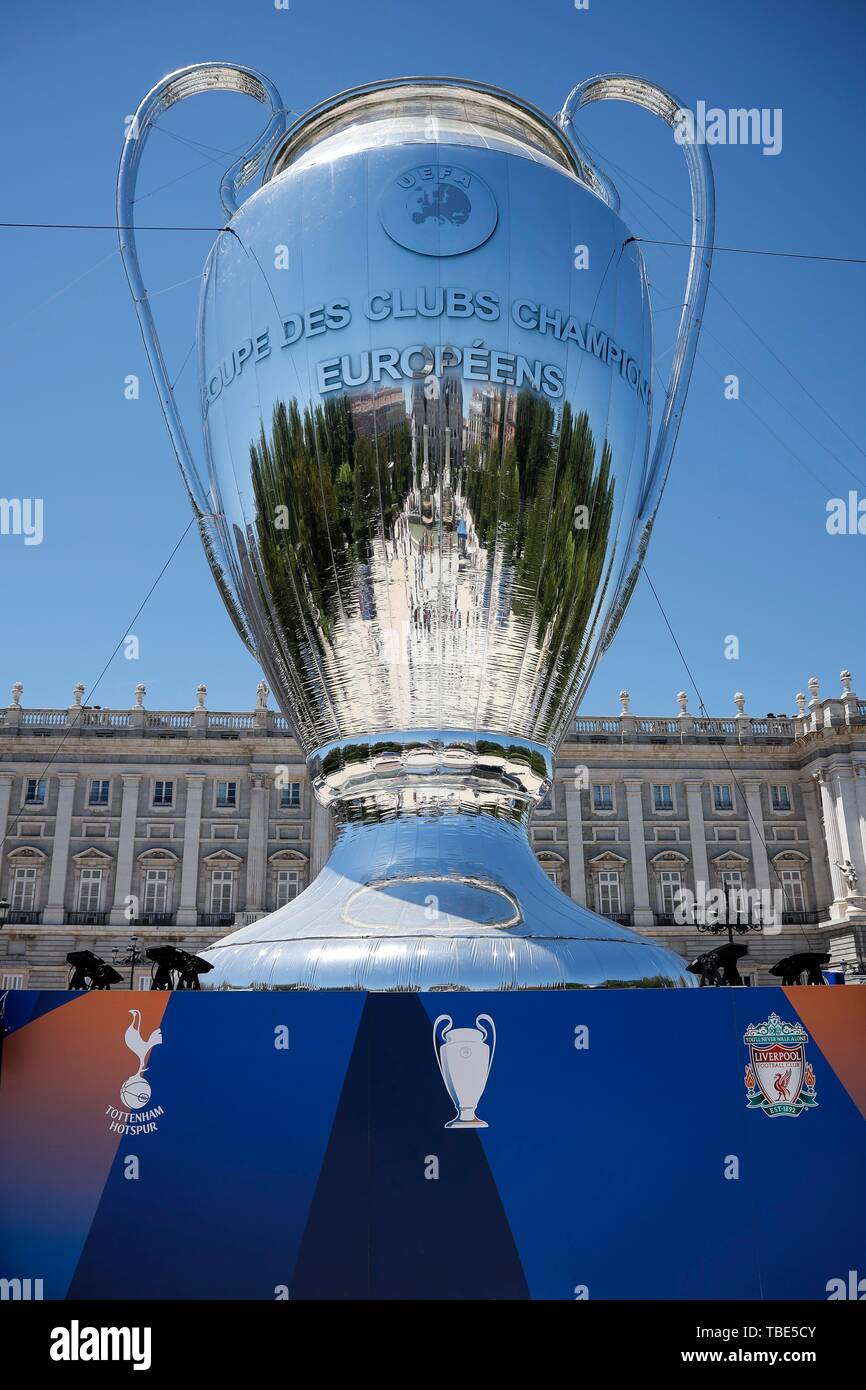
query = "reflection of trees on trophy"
{"x": 327, "y": 475}
{"x": 529, "y": 494}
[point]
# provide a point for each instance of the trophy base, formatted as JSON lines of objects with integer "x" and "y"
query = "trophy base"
{"x": 466, "y": 1124}
{"x": 439, "y": 900}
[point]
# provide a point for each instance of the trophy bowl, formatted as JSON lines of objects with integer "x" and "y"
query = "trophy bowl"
{"x": 425, "y": 360}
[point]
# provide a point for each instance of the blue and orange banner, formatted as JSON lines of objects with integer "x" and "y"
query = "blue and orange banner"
{"x": 579, "y": 1144}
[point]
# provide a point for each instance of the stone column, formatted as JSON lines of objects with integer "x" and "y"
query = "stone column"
{"x": 698, "y": 836}
{"x": 834, "y": 847}
{"x": 187, "y": 912}
{"x": 848, "y": 816}
{"x": 574, "y": 827}
{"x": 257, "y": 843}
{"x": 820, "y": 876}
{"x": 760, "y": 863}
{"x": 643, "y": 912}
{"x": 125, "y": 849}
{"x": 55, "y": 910}
{"x": 321, "y": 836}
{"x": 6, "y": 780}
{"x": 860, "y": 797}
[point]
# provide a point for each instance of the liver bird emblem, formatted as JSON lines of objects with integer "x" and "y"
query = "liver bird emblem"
{"x": 781, "y": 1081}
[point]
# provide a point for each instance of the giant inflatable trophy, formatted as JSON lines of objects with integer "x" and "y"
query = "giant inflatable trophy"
{"x": 425, "y": 353}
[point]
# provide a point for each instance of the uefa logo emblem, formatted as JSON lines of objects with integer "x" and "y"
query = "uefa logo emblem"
{"x": 439, "y": 210}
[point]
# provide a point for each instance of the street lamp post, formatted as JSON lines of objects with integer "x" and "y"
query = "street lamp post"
{"x": 131, "y": 958}
{"x": 724, "y": 958}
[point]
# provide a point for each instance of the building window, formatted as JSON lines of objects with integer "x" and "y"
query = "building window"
{"x": 89, "y": 890}
{"x": 663, "y": 797}
{"x": 670, "y": 887}
{"x": 780, "y": 798}
{"x": 546, "y": 803}
{"x": 288, "y": 885}
{"x": 551, "y": 867}
{"x": 99, "y": 793}
{"x": 163, "y": 793}
{"x": 144, "y": 980}
{"x": 608, "y": 893}
{"x": 602, "y": 797}
{"x": 12, "y": 979}
{"x": 731, "y": 881}
{"x": 222, "y": 886}
{"x": 792, "y": 889}
{"x": 35, "y": 793}
{"x": 227, "y": 794}
{"x": 156, "y": 890}
{"x": 290, "y": 796}
{"x": 722, "y": 799}
{"x": 23, "y": 890}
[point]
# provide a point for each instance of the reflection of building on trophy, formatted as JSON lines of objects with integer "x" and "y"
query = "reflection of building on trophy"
{"x": 374, "y": 413}
{"x": 437, "y": 422}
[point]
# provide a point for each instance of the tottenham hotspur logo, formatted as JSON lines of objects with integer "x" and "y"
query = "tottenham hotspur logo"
{"x": 135, "y": 1091}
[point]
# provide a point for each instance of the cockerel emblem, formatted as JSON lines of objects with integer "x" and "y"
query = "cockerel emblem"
{"x": 135, "y": 1091}
{"x": 779, "y": 1079}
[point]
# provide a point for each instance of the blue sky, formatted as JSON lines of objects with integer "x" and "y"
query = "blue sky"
{"x": 741, "y": 546}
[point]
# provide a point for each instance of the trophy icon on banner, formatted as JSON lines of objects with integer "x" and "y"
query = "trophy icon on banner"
{"x": 428, "y": 477}
{"x": 465, "y": 1059}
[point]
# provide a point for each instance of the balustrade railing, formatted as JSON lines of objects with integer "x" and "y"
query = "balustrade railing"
{"x": 231, "y": 721}
{"x": 139, "y": 721}
{"x": 216, "y": 919}
{"x": 167, "y": 720}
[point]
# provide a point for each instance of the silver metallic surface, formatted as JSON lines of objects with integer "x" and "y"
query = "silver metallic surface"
{"x": 428, "y": 494}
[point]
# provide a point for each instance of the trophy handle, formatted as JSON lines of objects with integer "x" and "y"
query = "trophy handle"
{"x": 443, "y": 1018}
{"x": 177, "y": 86}
{"x": 485, "y": 1018}
{"x": 621, "y": 87}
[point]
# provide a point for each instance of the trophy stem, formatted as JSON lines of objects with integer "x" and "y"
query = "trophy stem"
{"x": 467, "y": 1119}
{"x": 435, "y": 887}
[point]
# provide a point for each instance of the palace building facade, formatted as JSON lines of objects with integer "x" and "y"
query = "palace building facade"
{"x": 125, "y": 829}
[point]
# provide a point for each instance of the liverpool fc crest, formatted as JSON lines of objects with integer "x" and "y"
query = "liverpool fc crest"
{"x": 779, "y": 1080}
